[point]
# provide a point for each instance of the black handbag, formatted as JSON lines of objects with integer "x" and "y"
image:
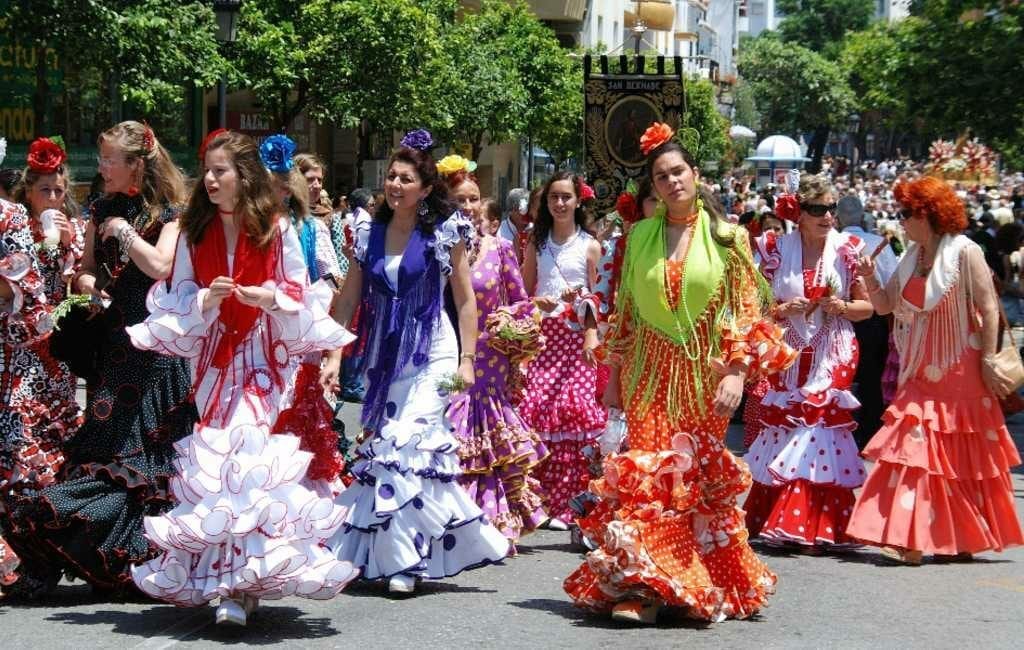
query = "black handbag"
{"x": 78, "y": 340}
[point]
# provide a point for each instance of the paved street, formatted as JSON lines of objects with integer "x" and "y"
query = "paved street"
{"x": 849, "y": 601}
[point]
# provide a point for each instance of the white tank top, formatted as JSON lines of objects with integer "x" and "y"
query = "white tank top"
{"x": 560, "y": 267}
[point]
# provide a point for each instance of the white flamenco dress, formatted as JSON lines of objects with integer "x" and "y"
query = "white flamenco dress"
{"x": 407, "y": 514}
{"x": 247, "y": 523}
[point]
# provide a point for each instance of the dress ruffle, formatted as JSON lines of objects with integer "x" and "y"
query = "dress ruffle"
{"x": 761, "y": 348}
{"x": 941, "y": 482}
{"x": 800, "y": 512}
{"x": 815, "y": 454}
{"x": 310, "y": 417}
{"x": 671, "y": 531}
{"x": 405, "y": 512}
{"x": 244, "y": 523}
{"x": 8, "y": 565}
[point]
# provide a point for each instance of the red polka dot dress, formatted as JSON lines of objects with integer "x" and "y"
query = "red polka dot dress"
{"x": 805, "y": 462}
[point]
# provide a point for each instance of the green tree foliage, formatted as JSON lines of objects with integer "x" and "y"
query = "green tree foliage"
{"x": 796, "y": 90}
{"x": 146, "y": 49}
{"x": 703, "y": 116}
{"x": 820, "y": 25}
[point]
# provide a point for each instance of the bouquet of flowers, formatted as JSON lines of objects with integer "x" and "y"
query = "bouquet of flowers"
{"x": 451, "y": 384}
{"x": 515, "y": 331}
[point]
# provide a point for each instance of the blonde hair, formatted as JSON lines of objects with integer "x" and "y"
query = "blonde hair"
{"x": 299, "y": 201}
{"x": 307, "y": 161}
{"x": 813, "y": 186}
{"x": 162, "y": 183}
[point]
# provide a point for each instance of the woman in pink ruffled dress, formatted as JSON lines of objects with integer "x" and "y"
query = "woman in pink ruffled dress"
{"x": 941, "y": 482}
{"x": 239, "y": 305}
{"x": 560, "y": 271}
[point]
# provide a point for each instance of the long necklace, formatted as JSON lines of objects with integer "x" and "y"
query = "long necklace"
{"x": 682, "y": 291}
{"x": 920, "y": 269}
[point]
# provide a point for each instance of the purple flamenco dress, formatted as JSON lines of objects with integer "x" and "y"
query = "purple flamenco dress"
{"x": 497, "y": 449}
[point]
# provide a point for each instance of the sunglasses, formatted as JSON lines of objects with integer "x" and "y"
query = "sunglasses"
{"x": 904, "y": 214}
{"x": 818, "y": 210}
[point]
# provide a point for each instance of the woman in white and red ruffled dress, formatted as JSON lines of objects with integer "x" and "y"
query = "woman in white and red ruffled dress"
{"x": 239, "y": 305}
{"x": 804, "y": 462}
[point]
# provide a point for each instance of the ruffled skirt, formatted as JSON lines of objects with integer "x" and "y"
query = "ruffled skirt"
{"x": 497, "y": 453}
{"x": 244, "y": 523}
{"x": 406, "y": 511}
{"x": 805, "y": 467}
{"x": 561, "y": 406}
{"x": 941, "y": 483}
{"x": 671, "y": 532}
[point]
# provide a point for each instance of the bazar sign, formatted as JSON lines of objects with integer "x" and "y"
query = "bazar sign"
{"x": 18, "y": 83}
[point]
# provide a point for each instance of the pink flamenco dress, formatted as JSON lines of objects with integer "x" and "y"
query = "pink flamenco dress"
{"x": 249, "y": 521}
{"x": 941, "y": 482}
{"x": 560, "y": 401}
{"x": 804, "y": 461}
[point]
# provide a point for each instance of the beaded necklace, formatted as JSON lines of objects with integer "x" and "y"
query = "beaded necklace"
{"x": 688, "y": 222}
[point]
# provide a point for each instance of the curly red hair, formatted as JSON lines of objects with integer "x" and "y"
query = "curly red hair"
{"x": 460, "y": 177}
{"x": 935, "y": 200}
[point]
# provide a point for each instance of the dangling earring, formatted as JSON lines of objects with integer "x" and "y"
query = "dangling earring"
{"x": 133, "y": 189}
{"x": 422, "y": 210}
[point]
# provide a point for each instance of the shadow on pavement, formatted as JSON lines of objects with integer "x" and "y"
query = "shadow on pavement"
{"x": 268, "y": 625}
{"x": 379, "y": 589}
{"x": 668, "y": 619}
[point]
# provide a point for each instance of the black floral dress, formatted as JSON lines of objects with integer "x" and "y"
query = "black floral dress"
{"x": 89, "y": 523}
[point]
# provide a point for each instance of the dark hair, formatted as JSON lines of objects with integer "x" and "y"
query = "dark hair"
{"x": 257, "y": 207}
{"x": 545, "y": 220}
{"x": 491, "y": 210}
{"x": 439, "y": 206}
{"x": 1008, "y": 238}
{"x": 711, "y": 203}
{"x": 644, "y": 189}
{"x": 360, "y": 198}
{"x": 9, "y": 177}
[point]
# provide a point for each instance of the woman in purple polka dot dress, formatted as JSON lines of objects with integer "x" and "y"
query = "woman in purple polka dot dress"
{"x": 497, "y": 449}
{"x": 408, "y": 518}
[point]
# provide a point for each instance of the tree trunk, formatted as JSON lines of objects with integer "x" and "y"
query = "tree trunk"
{"x": 817, "y": 148}
{"x": 477, "y": 146}
{"x": 40, "y": 98}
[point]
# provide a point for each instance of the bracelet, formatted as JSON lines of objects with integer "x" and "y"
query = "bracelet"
{"x": 127, "y": 236}
{"x": 467, "y": 355}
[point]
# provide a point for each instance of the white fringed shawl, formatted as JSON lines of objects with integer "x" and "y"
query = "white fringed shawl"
{"x": 948, "y": 308}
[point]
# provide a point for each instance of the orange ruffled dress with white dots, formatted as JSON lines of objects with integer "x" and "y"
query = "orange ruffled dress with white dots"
{"x": 668, "y": 519}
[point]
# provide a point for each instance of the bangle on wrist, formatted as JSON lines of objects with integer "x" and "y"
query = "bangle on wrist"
{"x": 467, "y": 355}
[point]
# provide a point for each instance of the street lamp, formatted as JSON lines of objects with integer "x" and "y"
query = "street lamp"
{"x": 226, "y": 12}
{"x": 852, "y": 129}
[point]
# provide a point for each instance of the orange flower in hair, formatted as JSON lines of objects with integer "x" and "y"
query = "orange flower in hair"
{"x": 656, "y": 135}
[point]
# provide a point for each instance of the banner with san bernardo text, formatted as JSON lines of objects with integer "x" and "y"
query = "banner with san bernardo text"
{"x": 621, "y": 99}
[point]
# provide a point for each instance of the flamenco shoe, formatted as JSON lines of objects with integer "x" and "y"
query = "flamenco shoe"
{"x": 250, "y": 603}
{"x": 402, "y": 584}
{"x": 901, "y": 556}
{"x": 636, "y": 611}
{"x": 231, "y": 611}
{"x": 556, "y": 524}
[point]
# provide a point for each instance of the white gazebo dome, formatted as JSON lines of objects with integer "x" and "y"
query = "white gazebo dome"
{"x": 778, "y": 148}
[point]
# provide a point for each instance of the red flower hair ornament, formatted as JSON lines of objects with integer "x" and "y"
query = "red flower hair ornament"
{"x": 45, "y": 156}
{"x": 627, "y": 208}
{"x": 586, "y": 192}
{"x": 656, "y": 135}
{"x": 787, "y": 207}
{"x": 206, "y": 143}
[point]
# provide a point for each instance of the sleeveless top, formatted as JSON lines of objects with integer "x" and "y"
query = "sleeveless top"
{"x": 563, "y": 266}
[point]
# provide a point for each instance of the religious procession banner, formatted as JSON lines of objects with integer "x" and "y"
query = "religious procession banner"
{"x": 623, "y": 96}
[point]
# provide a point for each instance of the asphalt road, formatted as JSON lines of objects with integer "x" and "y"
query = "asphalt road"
{"x": 849, "y": 601}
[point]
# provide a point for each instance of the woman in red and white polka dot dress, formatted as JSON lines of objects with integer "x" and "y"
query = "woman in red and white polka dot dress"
{"x": 804, "y": 462}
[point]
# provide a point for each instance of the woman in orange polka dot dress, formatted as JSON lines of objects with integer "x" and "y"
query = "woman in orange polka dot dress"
{"x": 689, "y": 332}
{"x": 804, "y": 462}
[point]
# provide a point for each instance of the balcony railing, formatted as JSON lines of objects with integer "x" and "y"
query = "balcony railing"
{"x": 559, "y": 10}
